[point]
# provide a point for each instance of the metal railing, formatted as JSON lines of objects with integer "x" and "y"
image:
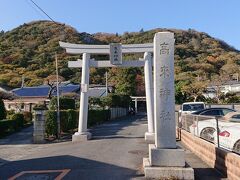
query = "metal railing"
{"x": 220, "y": 132}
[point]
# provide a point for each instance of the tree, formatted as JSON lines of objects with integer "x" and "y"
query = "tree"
{"x": 51, "y": 81}
{"x": 124, "y": 80}
{"x": 65, "y": 103}
{"x": 216, "y": 83}
{"x": 6, "y": 95}
{"x": 195, "y": 89}
{"x": 3, "y": 112}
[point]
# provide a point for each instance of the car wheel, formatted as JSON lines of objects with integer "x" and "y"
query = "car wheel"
{"x": 236, "y": 147}
{"x": 207, "y": 134}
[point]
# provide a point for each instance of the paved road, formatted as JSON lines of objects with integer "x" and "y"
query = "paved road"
{"x": 115, "y": 152}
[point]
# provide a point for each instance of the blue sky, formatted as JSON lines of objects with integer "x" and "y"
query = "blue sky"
{"x": 218, "y": 18}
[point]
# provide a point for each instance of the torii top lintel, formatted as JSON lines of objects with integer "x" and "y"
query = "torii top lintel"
{"x": 104, "y": 49}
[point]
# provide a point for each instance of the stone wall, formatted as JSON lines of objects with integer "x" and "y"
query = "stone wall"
{"x": 226, "y": 162}
{"x": 39, "y": 126}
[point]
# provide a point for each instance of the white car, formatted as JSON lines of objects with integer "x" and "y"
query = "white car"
{"x": 229, "y": 131}
{"x": 190, "y": 107}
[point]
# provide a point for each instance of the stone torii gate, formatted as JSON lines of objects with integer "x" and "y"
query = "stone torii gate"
{"x": 165, "y": 160}
{"x": 115, "y": 51}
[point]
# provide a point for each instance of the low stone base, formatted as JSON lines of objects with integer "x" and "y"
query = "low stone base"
{"x": 167, "y": 172}
{"x": 78, "y": 137}
{"x": 166, "y": 157}
{"x": 38, "y": 139}
{"x": 150, "y": 137}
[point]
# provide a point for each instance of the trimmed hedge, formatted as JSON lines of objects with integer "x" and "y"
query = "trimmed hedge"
{"x": 7, "y": 126}
{"x": 69, "y": 120}
{"x": 51, "y": 123}
{"x": 19, "y": 118}
{"x": 27, "y": 117}
{"x": 15, "y": 123}
{"x": 98, "y": 117}
{"x": 65, "y": 103}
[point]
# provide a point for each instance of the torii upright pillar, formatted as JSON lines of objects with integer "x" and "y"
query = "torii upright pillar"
{"x": 83, "y": 134}
{"x": 149, "y": 135}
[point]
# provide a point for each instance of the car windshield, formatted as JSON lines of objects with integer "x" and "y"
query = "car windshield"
{"x": 193, "y": 107}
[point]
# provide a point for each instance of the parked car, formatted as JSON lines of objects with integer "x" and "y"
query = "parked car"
{"x": 228, "y": 126}
{"x": 214, "y": 112}
{"x": 231, "y": 117}
{"x": 190, "y": 107}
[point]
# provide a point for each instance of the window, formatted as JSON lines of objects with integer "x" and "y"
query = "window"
{"x": 225, "y": 111}
{"x": 236, "y": 116}
{"x": 214, "y": 112}
{"x": 193, "y": 107}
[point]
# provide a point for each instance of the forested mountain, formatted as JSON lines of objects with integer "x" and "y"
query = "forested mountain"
{"x": 29, "y": 51}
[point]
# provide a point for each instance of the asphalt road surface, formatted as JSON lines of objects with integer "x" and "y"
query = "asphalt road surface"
{"x": 115, "y": 152}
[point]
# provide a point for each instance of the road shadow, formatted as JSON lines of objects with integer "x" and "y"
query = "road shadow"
{"x": 207, "y": 173}
{"x": 22, "y": 137}
{"x": 220, "y": 162}
{"x": 2, "y": 162}
{"x": 80, "y": 168}
{"x": 106, "y": 130}
{"x": 111, "y": 128}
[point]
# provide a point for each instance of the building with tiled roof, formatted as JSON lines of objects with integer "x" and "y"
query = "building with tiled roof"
{"x": 28, "y": 97}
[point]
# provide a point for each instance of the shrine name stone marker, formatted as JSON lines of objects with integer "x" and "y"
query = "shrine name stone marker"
{"x": 165, "y": 159}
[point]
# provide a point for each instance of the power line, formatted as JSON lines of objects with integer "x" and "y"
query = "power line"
{"x": 42, "y": 11}
{"x": 61, "y": 28}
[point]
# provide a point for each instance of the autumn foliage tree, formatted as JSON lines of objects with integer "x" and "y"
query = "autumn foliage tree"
{"x": 195, "y": 89}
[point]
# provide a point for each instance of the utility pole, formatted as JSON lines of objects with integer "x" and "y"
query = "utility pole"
{"x": 58, "y": 104}
{"x": 23, "y": 79}
{"x": 106, "y": 84}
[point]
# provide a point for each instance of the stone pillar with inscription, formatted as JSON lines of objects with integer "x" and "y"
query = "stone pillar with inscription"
{"x": 164, "y": 154}
{"x": 83, "y": 134}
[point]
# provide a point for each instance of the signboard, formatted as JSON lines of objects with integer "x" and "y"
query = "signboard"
{"x": 116, "y": 53}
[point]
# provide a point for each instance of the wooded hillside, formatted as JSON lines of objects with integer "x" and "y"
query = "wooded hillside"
{"x": 29, "y": 51}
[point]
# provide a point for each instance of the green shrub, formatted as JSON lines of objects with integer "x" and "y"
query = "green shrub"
{"x": 27, "y": 117}
{"x": 72, "y": 119}
{"x": 65, "y": 103}
{"x": 40, "y": 107}
{"x": 97, "y": 116}
{"x": 10, "y": 113}
{"x": 116, "y": 100}
{"x": 19, "y": 118}
{"x": 3, "y": 112}
{"x": 68, "y": 121}
{"x": 51, "y": 123}
{"x": 7, "y": 126}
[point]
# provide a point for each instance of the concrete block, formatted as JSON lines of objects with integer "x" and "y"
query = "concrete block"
{"x": 167, "y": 172}
{"x": 150, "y": 138}
{"x": 166, "y": 157}
{"x": 78, "y": 137}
